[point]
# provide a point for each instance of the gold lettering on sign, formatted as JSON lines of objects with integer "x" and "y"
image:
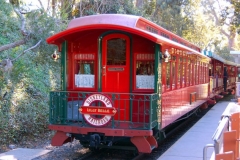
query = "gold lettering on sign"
{"x": 91, "y": 110}
{"x": 103, "y": 111}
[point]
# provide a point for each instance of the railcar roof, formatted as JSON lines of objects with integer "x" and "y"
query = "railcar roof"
{"x": 129, "y": 23}
{"x": 219, "y": 58}
{"x": 114, "y": 19}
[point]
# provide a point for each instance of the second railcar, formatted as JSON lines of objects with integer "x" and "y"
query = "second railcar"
{"x": 223, "y": 75}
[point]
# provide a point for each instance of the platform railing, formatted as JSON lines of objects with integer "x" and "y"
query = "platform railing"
{"x": 133, "y": 110}
{"x": 217, "y": 137}
{"x": 227, "y": 135}
{"x": 230, "y": 144}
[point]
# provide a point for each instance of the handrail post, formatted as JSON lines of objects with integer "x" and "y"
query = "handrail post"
{"x": 205, "y": 151}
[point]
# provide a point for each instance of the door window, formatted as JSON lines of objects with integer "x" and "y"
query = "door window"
{"x": 116, "y": 51}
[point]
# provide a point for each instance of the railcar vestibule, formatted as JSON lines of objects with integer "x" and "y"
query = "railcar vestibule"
{"x": 111, "y": 62}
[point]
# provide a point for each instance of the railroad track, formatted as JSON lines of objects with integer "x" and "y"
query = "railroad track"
{"x": 110, "y": 154}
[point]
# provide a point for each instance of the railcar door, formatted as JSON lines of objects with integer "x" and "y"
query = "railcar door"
{"x": 115, "y": 71}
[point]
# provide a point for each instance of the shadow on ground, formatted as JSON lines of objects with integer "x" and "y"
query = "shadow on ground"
{"x": 229, "y": 97}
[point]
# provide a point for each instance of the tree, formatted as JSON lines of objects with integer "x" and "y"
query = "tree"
{"x": 219, "y": 12}
{"x": 236, "y": 16}
{"x": 27, "y": 73}
{"x": 200, "y": 29}
{"x": 91, "y": 7}
{"x": 166, "y": 13}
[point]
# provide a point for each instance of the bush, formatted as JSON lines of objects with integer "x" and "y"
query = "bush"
{"x": 24, "y": 91}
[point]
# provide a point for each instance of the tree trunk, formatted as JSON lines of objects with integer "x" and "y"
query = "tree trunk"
{"x": 53, "y": 8}
{"x": 139, "y": 4}
{"x": 231, "y": 39}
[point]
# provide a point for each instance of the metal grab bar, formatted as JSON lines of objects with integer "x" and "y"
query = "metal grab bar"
{"x": 218, "y": 135}
{"x": 205, "y": 150}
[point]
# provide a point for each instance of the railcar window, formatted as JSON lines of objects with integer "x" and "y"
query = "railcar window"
{"x": 187, "y": 73}
{"x": 183, "y": 72}
{"x": 145, "y": 68}
{"x": 145, "y": 71}
{"x": 218, "y": 71}
{"x": 173, "y": 72}
{"x": 194, "y": 79}
{"x": 191, "y": 68}
{"x": 206, "y": 74}
{"x": 116, "y": 51}
{"x": 196, "y": 73}
{"x": 168, "y": 70}
{"x": 84, "y": 70}
{"x": 180, "y": 72}
{"x": 202, "y": 73}
{"x": 210, "y": 70}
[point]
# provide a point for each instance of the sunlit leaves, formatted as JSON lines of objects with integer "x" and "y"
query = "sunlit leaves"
{"x": 236, "y": 18}
{"x": 24, "y": 91}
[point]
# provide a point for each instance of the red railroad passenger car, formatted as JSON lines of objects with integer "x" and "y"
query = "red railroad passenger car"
{"x": 220, "y": 83}
{"x": 124, "y": 79}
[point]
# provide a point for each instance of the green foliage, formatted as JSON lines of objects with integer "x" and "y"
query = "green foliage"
{"x": 166, "y": 13}
{"x": 24, "y": 92}
{"x": 8, "y": 23}
{"x": 224, "y": 53}
{"x": 86, "y": 7}
{"x": 25, "y": 104}
{"x": 236, "y": 18}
